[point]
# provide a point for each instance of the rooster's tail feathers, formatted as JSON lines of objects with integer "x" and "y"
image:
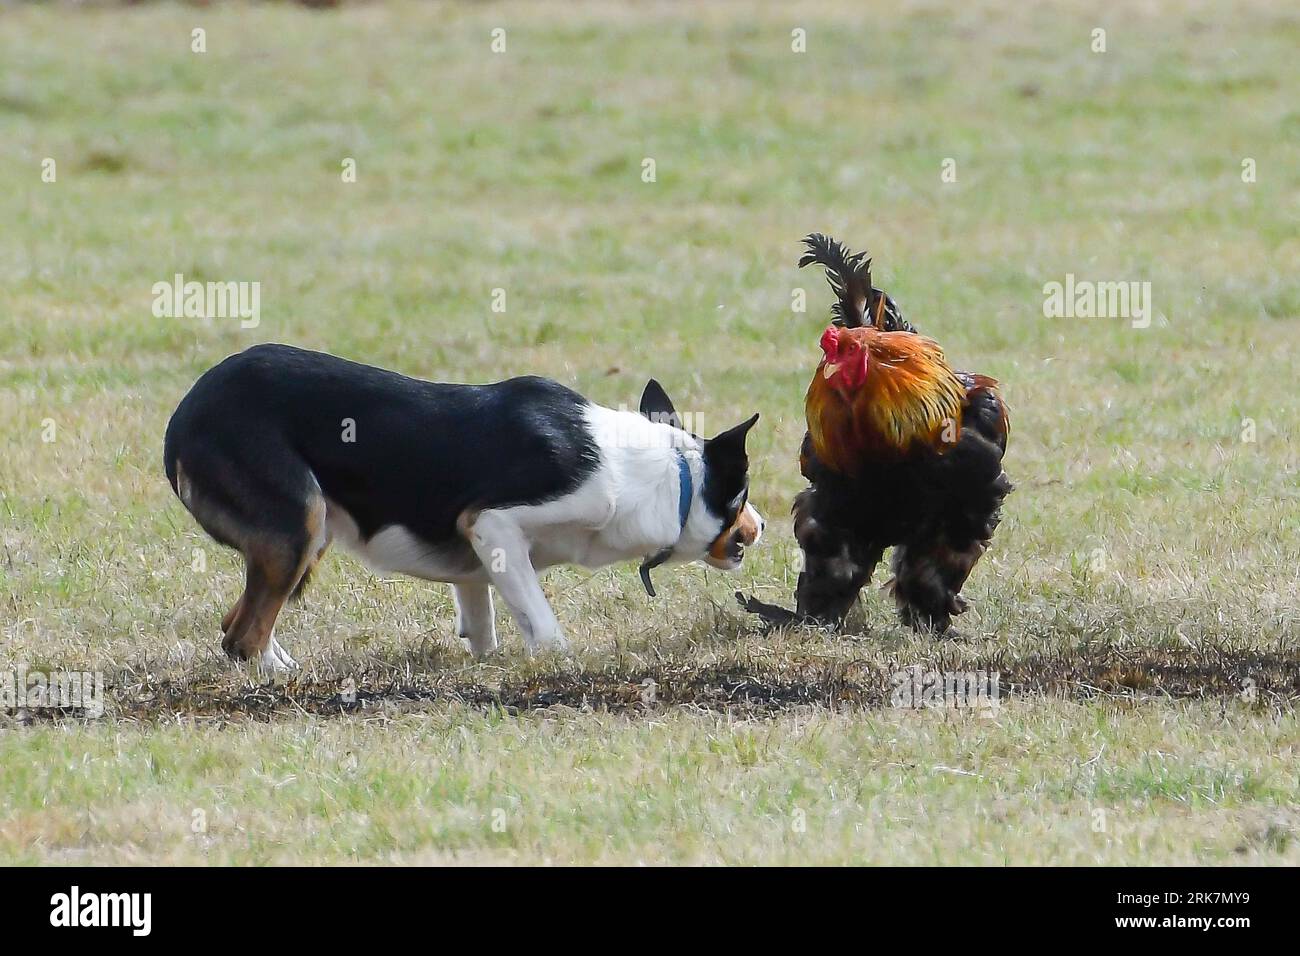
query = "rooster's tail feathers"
{"x": 849, "y": 277}
{"x": 849, "y": 274}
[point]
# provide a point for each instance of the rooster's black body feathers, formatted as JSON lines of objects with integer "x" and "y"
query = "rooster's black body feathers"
{"x": 937, "y": 507}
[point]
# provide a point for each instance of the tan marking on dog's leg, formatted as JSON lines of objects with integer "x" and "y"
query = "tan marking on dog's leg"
{"x": 273, "y": 573}
{"x": 270, "y": 580}
{"x": 258, "y": 588}
{"x": 312, "y": 562}
{"x": 318, "y": 538}
{"x": 254, "y": 585}
{"x": 258, "y": 636}
{"x": 315, "y": 554}
{"x": 313, "y": 559}
{"x": 231, "y": 614}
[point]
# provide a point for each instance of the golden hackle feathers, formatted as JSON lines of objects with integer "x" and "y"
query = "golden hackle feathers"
{"x": 910, "y": 396}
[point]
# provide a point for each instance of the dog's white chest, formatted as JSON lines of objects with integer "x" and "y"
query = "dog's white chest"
{"x": 581, "y": 546}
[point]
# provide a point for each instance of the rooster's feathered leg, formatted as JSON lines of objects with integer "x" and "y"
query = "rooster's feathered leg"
{"x": 932, "y": 566}
{"x": 836, "y": 563}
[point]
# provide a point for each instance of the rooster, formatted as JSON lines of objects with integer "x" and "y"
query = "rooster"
{"x": 901, "y": 451}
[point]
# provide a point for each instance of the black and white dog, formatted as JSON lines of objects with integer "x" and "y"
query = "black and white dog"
{"x": 278, "y": 451}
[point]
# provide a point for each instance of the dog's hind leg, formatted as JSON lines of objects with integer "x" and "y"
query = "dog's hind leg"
{"x": 475, "y": 622}
{"x": 312, "y": 561}
{"x": 277, "y": 563}
{"x": 268, "y": 507}
{"x": 230, "y": 615}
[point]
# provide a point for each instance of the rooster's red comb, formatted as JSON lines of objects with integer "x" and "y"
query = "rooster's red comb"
{"x": 831, "y": 342}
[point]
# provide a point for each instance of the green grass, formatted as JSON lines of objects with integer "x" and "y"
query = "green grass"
{"x": 1057, "y": 782}
{"x": 1140, "y": 599}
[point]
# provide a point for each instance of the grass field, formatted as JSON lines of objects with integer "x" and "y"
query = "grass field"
{"x": 1140, "y": 601}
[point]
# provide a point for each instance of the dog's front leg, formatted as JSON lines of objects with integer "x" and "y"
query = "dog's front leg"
{"x": 503, "y": 548}
{"x": 475, "y": 622}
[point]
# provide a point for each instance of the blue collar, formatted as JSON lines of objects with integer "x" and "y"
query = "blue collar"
{"x": 686, "y": 494}
{"x": 686, "y": 491}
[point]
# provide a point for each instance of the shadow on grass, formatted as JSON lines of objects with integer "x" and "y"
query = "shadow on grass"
{"x": 753, "y": 688}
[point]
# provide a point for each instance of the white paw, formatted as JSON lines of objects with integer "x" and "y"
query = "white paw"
{"x": 276, "y": 659}
{"x": 480, "y": 647}
{"x": 554, "y": 643}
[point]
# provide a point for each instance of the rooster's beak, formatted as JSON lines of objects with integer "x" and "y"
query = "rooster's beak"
{"x": 829, "y": 369}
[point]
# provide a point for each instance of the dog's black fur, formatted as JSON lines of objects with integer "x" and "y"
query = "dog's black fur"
{"x": 255, "y": 428}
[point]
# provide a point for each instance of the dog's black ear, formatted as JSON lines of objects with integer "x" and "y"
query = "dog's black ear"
{"x": 657, "y": 406}
{"x": 730, "y": 443}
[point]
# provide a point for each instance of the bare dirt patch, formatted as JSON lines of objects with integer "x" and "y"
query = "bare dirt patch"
{"x": 752, "y": 689}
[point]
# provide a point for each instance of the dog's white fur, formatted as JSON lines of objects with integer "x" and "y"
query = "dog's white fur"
{"x": 628, "y": 508}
